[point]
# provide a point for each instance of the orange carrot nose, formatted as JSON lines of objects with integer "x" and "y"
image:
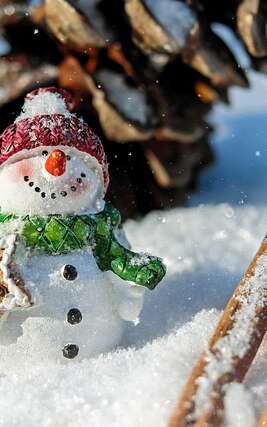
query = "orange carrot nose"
{"x": 56, "y": 163}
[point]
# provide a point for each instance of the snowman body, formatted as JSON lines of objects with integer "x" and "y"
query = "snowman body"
{"x": 77, "y": 312}
{"x": 68, "y": 281}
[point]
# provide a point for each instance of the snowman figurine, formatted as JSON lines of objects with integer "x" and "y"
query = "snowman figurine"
{"x": 68, "y": 280}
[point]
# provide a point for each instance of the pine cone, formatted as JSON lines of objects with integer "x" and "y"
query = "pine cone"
{"x": 145, "y": 72}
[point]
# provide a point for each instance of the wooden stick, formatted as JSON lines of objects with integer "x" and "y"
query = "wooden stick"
{"x": 230, "y": 352}
{"x": 263, "y": 419}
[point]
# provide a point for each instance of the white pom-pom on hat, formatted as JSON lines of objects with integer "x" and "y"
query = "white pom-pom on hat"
{"x": 46, "y": 101}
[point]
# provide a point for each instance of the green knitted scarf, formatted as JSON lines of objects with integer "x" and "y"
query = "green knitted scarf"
{"x": 59, "y": 234}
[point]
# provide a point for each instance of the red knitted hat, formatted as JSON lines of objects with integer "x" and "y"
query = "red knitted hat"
{"x": 46, "y": 120}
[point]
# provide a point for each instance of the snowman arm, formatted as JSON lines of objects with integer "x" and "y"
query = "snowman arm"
{"x": 141, "y": 269}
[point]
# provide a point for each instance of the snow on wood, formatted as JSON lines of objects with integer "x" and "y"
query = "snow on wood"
{"x": 132, "y": 101}
{"x": 231, "y": 351}
{"x": 124, "y": 116}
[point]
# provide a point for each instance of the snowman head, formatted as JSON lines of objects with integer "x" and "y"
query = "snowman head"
{"x": 51, "y": 162}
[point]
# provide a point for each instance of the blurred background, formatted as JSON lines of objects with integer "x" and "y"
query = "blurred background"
{"x": 175, "y": 89}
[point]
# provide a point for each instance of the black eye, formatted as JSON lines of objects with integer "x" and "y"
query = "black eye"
{"x": 68, "y": 157}
{"x": 44, "y": 153}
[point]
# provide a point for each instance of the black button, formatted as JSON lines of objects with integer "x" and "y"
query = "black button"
{"x": 70, "y": 351}
{"x": 74, "y": 316}
{"x": 69, "y": 272}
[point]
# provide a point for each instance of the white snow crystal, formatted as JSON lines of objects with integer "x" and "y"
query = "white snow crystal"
{"x": 44, "y": 103}
{"x": 144, "y": 259}
{"x": 239, "y": 407}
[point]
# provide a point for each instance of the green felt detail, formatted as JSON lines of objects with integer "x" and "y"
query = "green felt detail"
{"x": 58, "y": 234}
{"x": 4, "y": 217}
{"x": 144, "y": 270}
{"x": 110, "y": 215}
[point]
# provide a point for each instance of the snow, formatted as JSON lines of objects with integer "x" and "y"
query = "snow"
{"x": 124, "y": 388}
{"x": 131, "y": 101}
{"x": 175, "y": 17}
{"x": 237, "y": 343}
{"x": 44, "y": 103}
{"x": 239, "y": 407}
{"x": 144, "y": 259}
{"x": 138, "y": 383}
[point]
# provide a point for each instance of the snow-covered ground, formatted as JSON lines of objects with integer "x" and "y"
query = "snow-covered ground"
{"x": 206, "y": 250}
{"x": 206, "y": 247}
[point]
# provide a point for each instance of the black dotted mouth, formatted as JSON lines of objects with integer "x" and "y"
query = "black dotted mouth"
{"x": 54, "y": 195}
